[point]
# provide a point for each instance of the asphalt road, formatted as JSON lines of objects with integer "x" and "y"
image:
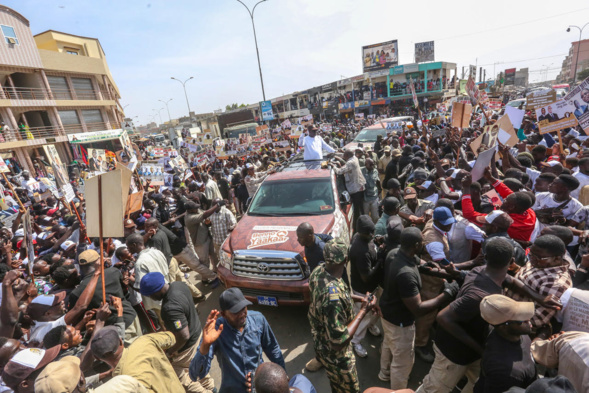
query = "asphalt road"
{"x": 291, "y": 327}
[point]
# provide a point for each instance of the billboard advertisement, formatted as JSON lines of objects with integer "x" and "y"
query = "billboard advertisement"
{"x": 510, "y": 76}
{"x": 380, "y": 56}
{"x": 266, "y": 109}
{"x": 424, "y": 51}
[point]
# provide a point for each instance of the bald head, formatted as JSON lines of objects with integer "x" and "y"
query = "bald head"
{"x": 151, "y": 222}
{"x": 271, "y": 378}
{"x": 503, "y": 222}
{"x": 305, "y": 234}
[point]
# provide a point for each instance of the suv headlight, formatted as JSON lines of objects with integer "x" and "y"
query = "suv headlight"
{"x": 225, "y": 258}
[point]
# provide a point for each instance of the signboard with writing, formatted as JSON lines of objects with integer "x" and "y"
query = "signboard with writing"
{"x": 95, "y": 136}
{"x": 540, "y": 98}
{"x": 266, "y": 110}
{"x": 424, "y": 51}
{"x": 510, "y": 76}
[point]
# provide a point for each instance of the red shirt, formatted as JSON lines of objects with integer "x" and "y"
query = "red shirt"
{"x": 523, "y": 224}
{"x": 468, "y": 210}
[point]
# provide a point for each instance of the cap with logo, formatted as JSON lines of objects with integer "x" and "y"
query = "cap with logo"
{"x": 26, "y": 362}
{"x": 128, "y": 223}
{"x": 410, "y": 193}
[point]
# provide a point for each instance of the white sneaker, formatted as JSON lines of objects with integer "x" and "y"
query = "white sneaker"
{"x": 374, "y": 330}
{"x": 360, "y": 351}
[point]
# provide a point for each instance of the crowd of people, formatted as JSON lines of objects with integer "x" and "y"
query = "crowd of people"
{"x": 485, "y": 279}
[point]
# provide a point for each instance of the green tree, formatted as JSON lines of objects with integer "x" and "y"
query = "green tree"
{"x": 234, "y": 106}
{"x": 583, "y": 74}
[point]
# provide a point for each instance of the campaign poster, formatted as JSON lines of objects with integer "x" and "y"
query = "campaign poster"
{"x": 128, "y": 150}
{"x": 424, "y": 51}
{"x": 97, "y": 161}
{"x": 578, "y": 99}
{"x": 59, "y": 171}
{"x": 380, "y": 56}
{"x": 556, "y": 116}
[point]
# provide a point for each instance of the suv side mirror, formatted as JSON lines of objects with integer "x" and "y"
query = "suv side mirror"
{"x": 345, "y": 198}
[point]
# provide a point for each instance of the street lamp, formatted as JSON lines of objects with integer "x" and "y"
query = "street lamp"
{"x": 578, "y": 49}
{"x": 185, "y": 95}
{"x": 159, "y": 112}
{"x": 166, "y": 103}
{"x": 256, "y": 41}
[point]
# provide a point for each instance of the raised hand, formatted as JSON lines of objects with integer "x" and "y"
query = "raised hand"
{"x": 210, "y": 333}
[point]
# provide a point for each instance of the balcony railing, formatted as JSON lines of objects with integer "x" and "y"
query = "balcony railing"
{"x": 31, "y": 133}
{"x": 37, "y": 93}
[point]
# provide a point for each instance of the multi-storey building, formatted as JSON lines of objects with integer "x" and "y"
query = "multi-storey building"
{"x": 52, "y": 85}
{"x": 580, "y": 50}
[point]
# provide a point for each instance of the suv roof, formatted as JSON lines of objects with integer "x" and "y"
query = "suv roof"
{"x": 298, "y": 168}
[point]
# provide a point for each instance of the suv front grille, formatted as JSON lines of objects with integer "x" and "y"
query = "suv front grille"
{"x": 265, "y": 267}
{"x": 279, "y": 295}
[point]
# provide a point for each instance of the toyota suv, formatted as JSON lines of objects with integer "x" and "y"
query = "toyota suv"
{"x": 262, "y": 256}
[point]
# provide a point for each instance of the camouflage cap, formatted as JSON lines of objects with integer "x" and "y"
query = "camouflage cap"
{"x": 335, "y": 251}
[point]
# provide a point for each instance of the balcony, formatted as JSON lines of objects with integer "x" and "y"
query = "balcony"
{"x": 36, "y": 96}
{"x": 78, "y": 128}
{"x": 34, "y": 136}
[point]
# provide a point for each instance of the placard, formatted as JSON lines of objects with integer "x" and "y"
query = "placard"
{"x": 3, "y": 167}
{"x": 578, "y": 99}
{"x": 506, "y": 135}
{"x": 540, "y": 98}
{"x": 482, "y": 162}
{"x": 461, "y": 115}
{"x": 515, "y": 115}
{"x": 556, "y": 116}
{"x": 97, "y": 160}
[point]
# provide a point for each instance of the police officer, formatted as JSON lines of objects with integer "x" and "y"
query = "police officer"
{"x": 332, "y": 320}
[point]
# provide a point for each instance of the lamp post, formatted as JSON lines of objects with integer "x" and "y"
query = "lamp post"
{"x": 166, "y": 103}
{"x": 256, "y": 41}
{"x": 185, "y": 95}
{"x": 578, "y": 49}
{"x": 159, "y": 112}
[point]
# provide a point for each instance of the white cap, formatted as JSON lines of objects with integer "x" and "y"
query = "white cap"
{"x": 455, "y": 173}
{"x": 493, "y": 215}
{"x": 67, "y": 244}
{"x": 425, "y": 185}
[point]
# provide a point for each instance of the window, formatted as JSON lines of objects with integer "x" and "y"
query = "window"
{"x": 9, "y": 34}
{"x": 72, "y": 52}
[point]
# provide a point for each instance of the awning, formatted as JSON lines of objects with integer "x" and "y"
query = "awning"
{"x": 346, "y": 110}
{"x": 382, "y": 101}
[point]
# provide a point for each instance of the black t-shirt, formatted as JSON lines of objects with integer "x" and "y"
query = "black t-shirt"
{"x": 506, "y": 364}
{"x": 362, "y": 262}
{"x": 402, "y": 280}
{"x": 113, "y": 283}
{"x": 178, "y": 312}
{"x": 314, "y": 253}
{"x": 394, "y": 229}
{"x": 223, "y": 188}
{"x": 159, "y": 241}
{"x": 177, "y": 244}
{"x": 476, "y": 286}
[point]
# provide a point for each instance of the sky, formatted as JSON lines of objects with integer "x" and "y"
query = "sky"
{"x": 302, "y": 43}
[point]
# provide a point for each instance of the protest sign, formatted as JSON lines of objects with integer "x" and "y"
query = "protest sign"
{"x": 413, "y": 95}
{"x": 286, "y": 124}
{"x": 578, "y": 99}
{"x": 359, "y": 116}
{"x": 261, "y": 129}
{"x": 494, "y": 104}
{"x": 97, "y": 160}
{"x": 134, "y": 203}
{"x": 68, "y": 193}
{"x": 129, "y": 151}
{"x": 506, "y": 135}
{"x": 539, "y": 98}
{"x": 515, "y": 115}
{"x": 3, "y": 167}
{"x": 556, "y": 116}
{"x": 482, "y": 162}
{"x": 106, "y": 199}
{"x": 306, "y": 120}
{"x": 28, "y": 239}
{"x": 576, "y": 309}
{"x": 461, "y": 115}
{"x": 494, "y": 198}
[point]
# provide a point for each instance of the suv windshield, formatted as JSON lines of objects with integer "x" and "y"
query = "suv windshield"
{"x": 367, "y": 135}
{"x": 305, "y": 197}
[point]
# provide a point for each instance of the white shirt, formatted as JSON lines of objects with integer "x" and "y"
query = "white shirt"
{"x": 314, "y": 147}
{"x": 471, "y": 231}
{"x": 533, "y": 175}
{"x": 583, "y": 180}
{"x": 40, "y": 329}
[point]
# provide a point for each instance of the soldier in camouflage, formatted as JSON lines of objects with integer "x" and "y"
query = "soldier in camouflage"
{"x": 332, "y": 320}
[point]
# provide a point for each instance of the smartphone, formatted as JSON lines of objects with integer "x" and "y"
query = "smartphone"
{"x": 444, "y": 262}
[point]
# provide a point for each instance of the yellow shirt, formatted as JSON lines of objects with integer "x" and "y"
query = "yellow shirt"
{"x": 146, "y": 361}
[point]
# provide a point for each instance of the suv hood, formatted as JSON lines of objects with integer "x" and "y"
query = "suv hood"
{"x": 274, "y": 233}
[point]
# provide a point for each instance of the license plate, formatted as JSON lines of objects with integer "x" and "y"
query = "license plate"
{"x": 267, "y": 301}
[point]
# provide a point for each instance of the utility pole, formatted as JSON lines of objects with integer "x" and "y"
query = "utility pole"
{"x": 185, "y": 95}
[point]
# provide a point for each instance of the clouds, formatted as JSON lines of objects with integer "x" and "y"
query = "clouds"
{"x": 302, "y": 43}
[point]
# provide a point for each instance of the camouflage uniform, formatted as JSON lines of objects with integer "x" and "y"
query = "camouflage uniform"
{"x": 330, "y": 312}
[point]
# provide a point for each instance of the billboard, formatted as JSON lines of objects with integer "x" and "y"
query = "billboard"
{"x": 266, "y": 109}
{"x": 510, "y": 76}
{"x": 424, "y": 51}
{"x": 380, "y": 56}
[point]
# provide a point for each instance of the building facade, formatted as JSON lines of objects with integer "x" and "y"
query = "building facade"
{"x": 51, "y": 85}
{"x": 578, "y": 49}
